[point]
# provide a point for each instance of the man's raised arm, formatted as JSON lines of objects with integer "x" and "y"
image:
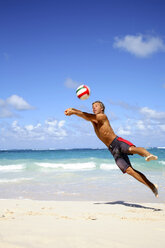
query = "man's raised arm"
{"x": 84, "y": 115}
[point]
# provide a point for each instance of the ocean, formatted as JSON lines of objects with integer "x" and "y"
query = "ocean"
{"x": 77, "y": 175}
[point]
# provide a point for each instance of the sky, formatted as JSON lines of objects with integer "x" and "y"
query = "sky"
{"x": 48, "y": 48}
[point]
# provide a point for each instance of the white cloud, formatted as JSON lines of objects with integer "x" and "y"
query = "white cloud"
{"x": 140, "y": 45}
{"x": 124, "y": 131}
{"x": 51, "y": 129}
{"x": 51, "y": 122}
{"x": 61, "y": 123}
{"x": 162, "y": 127}
{"x": 152, "y": 114}
{"x": 12, "y": 104}
{"x": 140, "y": 125}
{"x": 18, "y": 103}
{"x": 146, "y": 125}
{"x": 4, "y": 111}
{"x": 144, "y": 132}
{"x": 69, "y": 83}
{"x": 143, "y": 111}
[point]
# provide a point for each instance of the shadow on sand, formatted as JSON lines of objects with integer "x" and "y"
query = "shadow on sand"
{"x": 132, "y": 205}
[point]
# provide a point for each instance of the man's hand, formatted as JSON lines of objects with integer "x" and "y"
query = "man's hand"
{"x": 68, "y": 111}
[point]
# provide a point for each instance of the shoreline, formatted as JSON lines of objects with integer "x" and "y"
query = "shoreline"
{"x": 33, "y": 223}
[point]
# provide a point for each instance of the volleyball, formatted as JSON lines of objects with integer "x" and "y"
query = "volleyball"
{"x": 83, "y": 92}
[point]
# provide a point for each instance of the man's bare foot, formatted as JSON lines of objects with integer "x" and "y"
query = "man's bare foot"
{"x": 151, "y": 157}
{"x": 155, "y": 190}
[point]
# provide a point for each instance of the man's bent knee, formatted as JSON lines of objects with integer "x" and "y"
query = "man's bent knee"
{"x": 132, "y": 149}
{"x": 129, "y": 170}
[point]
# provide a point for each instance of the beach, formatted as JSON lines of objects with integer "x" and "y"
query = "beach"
{"x": 79, "y": 224}
{"x": 79, "y": 198}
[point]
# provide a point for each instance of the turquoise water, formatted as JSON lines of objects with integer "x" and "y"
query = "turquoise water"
{"x": 78, "y": 174}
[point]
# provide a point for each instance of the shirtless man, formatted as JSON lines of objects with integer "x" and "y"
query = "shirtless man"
{"x": 119, "y": 148}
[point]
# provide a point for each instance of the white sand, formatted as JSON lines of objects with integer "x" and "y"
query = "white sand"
{"x": 48, "y": 224}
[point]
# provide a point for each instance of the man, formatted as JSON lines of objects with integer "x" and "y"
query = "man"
{"x": 119, "y": 147}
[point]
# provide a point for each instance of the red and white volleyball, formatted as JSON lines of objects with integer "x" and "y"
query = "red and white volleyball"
{"x": 83, "y": 92}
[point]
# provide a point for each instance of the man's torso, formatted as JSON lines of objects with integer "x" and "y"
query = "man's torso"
{"x": 104, "y": 131}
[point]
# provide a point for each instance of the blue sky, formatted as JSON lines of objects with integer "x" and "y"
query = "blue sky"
{"x": 48, "y": 48}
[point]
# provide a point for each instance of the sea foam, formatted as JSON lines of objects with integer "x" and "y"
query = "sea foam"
{"x": 68, "y": 166}
{"x": 109, "y": 167}
{"x": 12, "y": 167}
{"x": 162, "y": 162}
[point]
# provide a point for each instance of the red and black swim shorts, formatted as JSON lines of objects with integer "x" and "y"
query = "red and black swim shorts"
{"x": 119, "y": 148}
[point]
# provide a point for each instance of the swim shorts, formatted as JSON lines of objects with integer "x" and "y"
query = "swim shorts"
{"x": 119, "y": 149}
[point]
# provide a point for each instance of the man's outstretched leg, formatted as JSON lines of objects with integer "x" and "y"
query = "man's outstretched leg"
{"x": 142, "y": 152}
{"x": 141, "y": 178}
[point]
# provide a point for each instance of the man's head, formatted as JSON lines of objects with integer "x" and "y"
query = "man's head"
{"x": 98, "y": 107}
